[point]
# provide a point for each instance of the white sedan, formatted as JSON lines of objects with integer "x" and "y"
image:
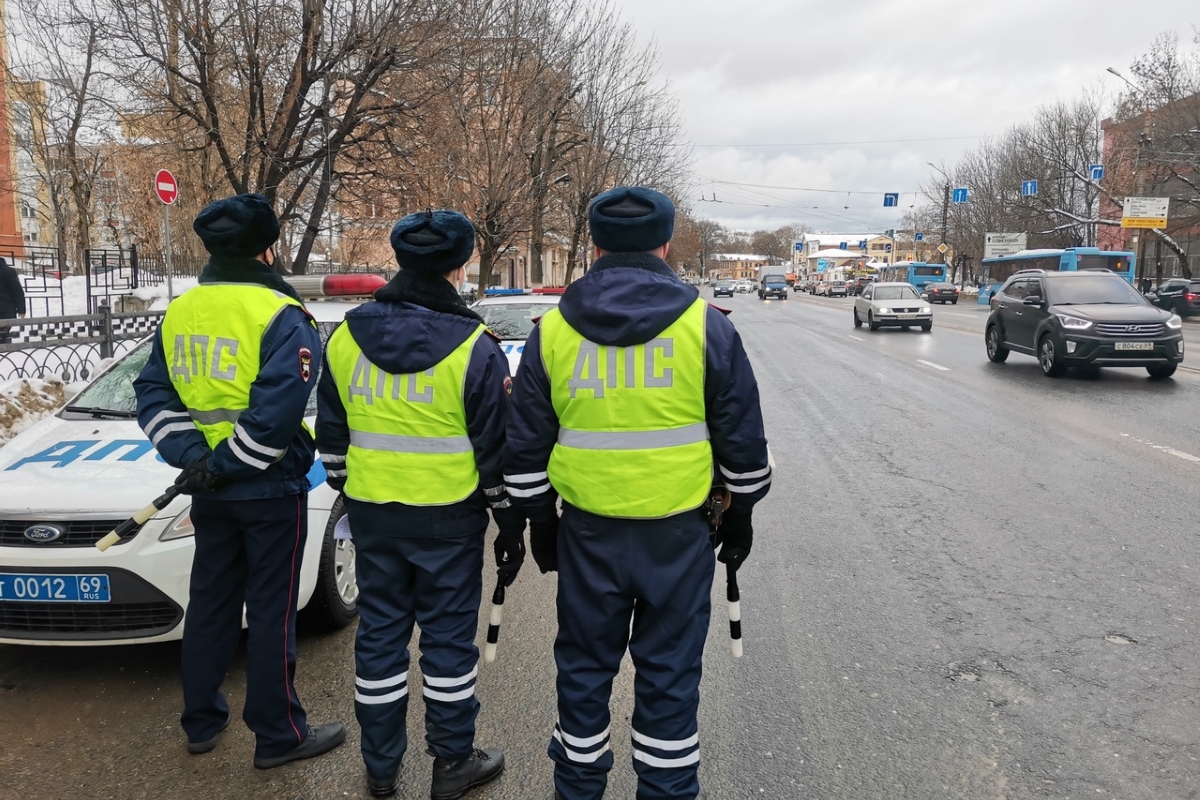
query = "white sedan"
{"x": 71, "y": 478}
{"x": 896, "y": 305}
{"x": 512, "y": 315}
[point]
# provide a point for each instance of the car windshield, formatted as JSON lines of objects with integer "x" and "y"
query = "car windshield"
{"x": 724, "y": 284}
{"x": 1079, "y": 290}
{"x": 512, "y": 320}
{"x": 896, "y": 293}
{"x": 112, "y": 392}
{"x": 775, "y": 279}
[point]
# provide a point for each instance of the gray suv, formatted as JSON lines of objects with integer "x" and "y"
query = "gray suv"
{"x": 1086, "y": 319}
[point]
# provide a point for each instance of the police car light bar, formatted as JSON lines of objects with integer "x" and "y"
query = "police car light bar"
{"x": 346, "y": 285}
{"x": 550, "y": 290}
{"x": 497, "y": 292}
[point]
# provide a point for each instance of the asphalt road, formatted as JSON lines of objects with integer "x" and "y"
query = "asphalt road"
{"x": 969, "y": 581}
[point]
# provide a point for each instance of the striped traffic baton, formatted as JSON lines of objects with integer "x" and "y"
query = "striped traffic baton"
{"x": 735, "y": 610}
{"x": 493, "y": 634}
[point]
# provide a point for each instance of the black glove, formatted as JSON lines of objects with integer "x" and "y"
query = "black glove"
{"x": 338, "y": 484}
{"x": 543, "y": 541}
{"x": 734, "y": 537}
{"x": 199, "y": 478}
{"x": 510, "y": 543}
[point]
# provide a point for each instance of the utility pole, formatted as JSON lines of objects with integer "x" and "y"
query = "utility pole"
{"x": 945, "y": 216}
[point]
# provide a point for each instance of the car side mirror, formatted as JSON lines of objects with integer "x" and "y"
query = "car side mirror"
{"x": 1033, "y": 300}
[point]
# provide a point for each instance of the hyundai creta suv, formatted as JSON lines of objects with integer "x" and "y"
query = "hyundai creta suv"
{"x": 1086, "y": 319}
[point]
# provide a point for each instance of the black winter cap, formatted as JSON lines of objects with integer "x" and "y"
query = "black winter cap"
{"x": 244, "y": 225}
{"x": 435, "y": 242}
{"x": 631, "y": 219}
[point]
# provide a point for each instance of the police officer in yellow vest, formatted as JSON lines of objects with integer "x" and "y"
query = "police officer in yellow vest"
{"x": 628, "y": 394}
{"x": 411, "y": 411}
{"x": 222, "y": 397}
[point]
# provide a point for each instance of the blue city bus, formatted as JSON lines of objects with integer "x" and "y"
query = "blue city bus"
{"x": 918, "y": 273}
{"x": 995, "y": 271}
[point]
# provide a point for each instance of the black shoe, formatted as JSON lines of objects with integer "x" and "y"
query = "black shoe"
{"x": 207, "y": 746}
{"x": 453, "y": 779}
{"x": 383, "y": 787}
{"x": 321, "y": 739}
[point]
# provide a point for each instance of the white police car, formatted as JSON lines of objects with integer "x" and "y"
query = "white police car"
{"x": 511, "y": 315}
{"x": 71, "y": 478}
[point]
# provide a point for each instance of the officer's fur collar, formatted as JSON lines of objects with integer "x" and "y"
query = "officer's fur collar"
{"x": 635, "y": 260}
{"x": 429, "y": 291}
{"x": 222, "y": 269}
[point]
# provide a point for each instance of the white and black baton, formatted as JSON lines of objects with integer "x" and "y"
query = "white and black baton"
{"x": 735, "y": 610}
{"x": 493, "y": 634}
{"x": 138, "y": 519}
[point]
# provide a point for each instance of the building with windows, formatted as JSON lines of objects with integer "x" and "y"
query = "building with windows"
{"x": 737, "y": 266}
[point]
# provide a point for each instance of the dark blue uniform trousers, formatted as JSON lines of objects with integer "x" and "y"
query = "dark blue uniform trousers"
{"x": 436, "y": 583}
{"x": 657, "y": 574}
{"x": 247, "y": 551}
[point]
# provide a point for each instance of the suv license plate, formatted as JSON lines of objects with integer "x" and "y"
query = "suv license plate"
{"x": 54, "y": 588}
{"x": 1134, "y": 346}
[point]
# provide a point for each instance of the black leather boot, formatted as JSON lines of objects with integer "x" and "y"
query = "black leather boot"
{"x": 453, "y": 779}
{"x": 385, "y": 786}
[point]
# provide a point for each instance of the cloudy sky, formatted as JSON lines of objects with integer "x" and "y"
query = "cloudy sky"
{"x": 782, "y": 93}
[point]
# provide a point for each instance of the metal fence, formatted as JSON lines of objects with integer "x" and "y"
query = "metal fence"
{"x": 69, "y": 347}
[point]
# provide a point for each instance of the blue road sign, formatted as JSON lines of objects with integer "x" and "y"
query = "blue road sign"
{"x": 891, "y": 199}
{"x": 1097, "y": 171}
{"x": 862, "y": 244}
{"x": 1028, "y": 188}
{"x": 959, "y": 196}
{"x": 920, "y": 237}
{"x": 887, "y": 247}
{"x": 842, "y": 246}
{"x": 799, "y": 245}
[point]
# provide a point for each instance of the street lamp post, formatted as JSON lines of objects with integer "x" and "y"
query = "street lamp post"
{"x": 945, "y": 206}
{"x": 1138, "y": 175}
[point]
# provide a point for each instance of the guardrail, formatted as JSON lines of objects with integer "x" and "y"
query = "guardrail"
{"x": 69, "y": 347}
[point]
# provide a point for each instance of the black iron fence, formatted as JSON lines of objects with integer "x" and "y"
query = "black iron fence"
{"x": 69, "y": 347}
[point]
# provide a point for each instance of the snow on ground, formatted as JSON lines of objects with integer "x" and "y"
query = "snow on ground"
{"x": 25, "y": 401}
{"x": 74, "y": 295}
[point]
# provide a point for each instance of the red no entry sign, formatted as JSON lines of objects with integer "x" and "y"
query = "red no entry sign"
{"x": 165, "y": 187}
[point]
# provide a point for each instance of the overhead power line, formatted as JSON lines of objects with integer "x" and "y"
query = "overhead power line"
{"x": 835, "y": 144}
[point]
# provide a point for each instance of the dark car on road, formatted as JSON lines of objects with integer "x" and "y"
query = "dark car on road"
{"x": 856, "y": 286}
{"x": 940, "y": 292}
{"x": 723, "y": 287}
{"x": 1180, "y": 295}
{"x": 1086, "y": 319}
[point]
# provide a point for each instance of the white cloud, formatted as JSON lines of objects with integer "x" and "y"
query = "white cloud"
{"x": 785, "y": 72}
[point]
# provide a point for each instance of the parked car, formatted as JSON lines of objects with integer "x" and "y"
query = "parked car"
{"x": 940, "y": 292}
{"x": 512, "y": 317}
{"x": 72, "y": 477}
{"x": 724, "y": 287}
{"x": 1086, "y": 319}
{"x": 892, "y": 305}
{"x": 1180, "y": 295}
{"x": 836, "y": 289}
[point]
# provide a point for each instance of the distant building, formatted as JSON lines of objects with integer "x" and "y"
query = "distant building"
{"x": 736, "y": 265}
{"x": 11, "y": 240}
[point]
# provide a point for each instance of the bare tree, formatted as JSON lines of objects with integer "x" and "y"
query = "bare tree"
{"x": 276, "y": 90}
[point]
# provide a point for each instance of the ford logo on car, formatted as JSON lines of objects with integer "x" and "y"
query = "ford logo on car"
{"x": 43, "y": 533}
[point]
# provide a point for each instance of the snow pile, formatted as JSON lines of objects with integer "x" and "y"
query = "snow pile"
{"x": 25, "y": 401}
{"x": 156, "y": 296}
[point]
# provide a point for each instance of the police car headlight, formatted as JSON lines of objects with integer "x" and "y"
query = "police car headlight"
{"x": 180, "y": 528}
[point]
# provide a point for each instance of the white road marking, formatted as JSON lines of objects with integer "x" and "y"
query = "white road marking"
{"x": 855, "y": 338}
{"x": 1168, "y": 450}
{"x": 931, "y": 364}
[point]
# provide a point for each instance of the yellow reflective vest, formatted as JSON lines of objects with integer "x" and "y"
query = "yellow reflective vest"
{"x": 633, "y": 441}
{"x": 212, "y": 340}
{"x": 408, "y": 433}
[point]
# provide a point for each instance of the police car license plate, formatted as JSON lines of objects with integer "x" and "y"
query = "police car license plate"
{"x": 43, "y": 588}
{"x": 1134, "y": 346}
